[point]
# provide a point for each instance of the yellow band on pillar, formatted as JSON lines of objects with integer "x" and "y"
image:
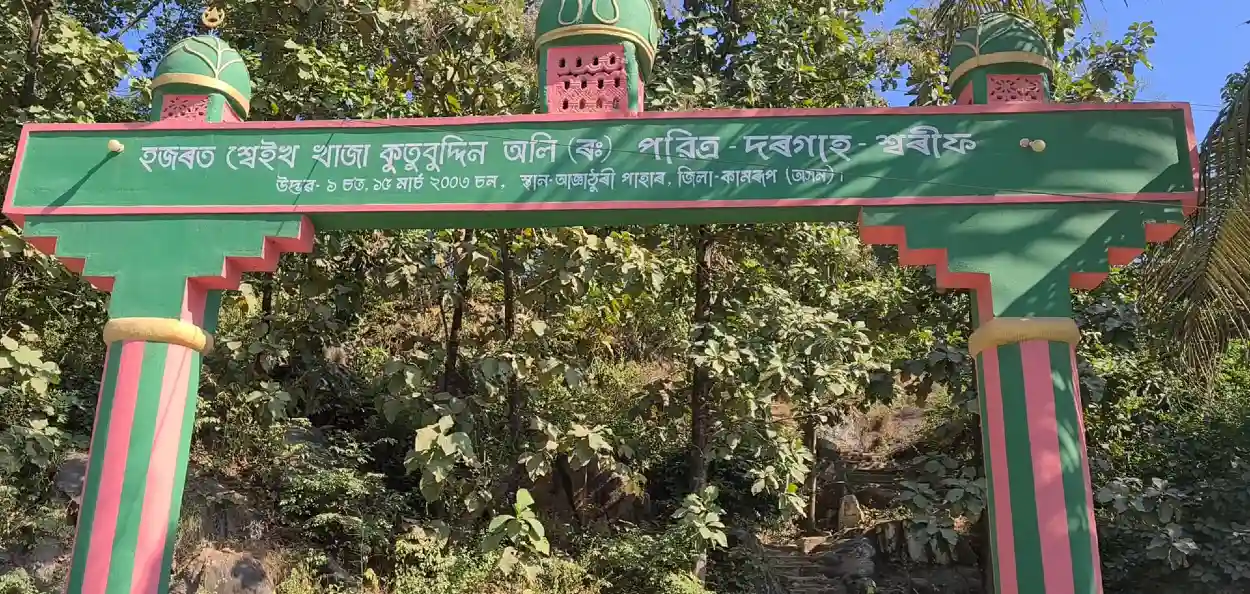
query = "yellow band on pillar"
{"x": 164, "y": 330}
{"x": 1000, "y": 331}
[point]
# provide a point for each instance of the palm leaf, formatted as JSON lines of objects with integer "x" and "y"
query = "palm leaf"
{"x": 1198, "y": 287}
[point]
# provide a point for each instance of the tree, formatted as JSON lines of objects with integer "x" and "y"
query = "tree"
{"x": 1198, "y": 284}
{"x": 400, "y": 401}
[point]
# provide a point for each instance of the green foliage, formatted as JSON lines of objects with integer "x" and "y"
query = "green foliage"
{"x": 17, "y": 582}
{"x": 700, "y": 515}
{"x": 25, "y": 378}
{"x": 473, "y": 382}
{"x": 522, "y": 537}
{"x": 944, "y": 490}
{"x": 637, "y": 561}
{"x": 1168, "y": 453}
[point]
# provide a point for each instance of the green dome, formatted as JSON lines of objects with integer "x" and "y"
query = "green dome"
{"x": 999, "y": 38}
{"x": 205, "y": 64}
{"x": 592, "y": 22}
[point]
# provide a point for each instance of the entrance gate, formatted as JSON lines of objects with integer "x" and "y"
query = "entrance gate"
{"x": 1014, "y": 198}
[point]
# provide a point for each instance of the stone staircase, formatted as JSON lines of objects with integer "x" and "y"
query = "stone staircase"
{"x": 799, "y": 568}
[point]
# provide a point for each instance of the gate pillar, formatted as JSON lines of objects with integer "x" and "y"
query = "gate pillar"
{"x": 141, "y": 441}
{"x": 1021, "y": 261}
{"x": 165, "y": 275}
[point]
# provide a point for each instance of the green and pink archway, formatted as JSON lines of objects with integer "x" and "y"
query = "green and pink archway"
{"x": 1005, "y": 194}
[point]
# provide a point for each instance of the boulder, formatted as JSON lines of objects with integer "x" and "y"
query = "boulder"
{"x": 48, "y": 561}
{"x": 334, "y": 574}
{"x": 71, "y": 476}
{"x": 860, "y": 585}
{"x": 226, "y": 572}
{"x": 850, "y": 514}
{"x": 850, "y": 559}
{"x": 807, "y": 544}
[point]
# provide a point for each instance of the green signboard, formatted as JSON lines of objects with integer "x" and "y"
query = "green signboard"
{"x": 880, "y": 157}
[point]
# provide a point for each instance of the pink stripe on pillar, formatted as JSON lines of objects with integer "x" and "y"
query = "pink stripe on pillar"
{"x": 1052, "y": 511}
{"x": 1004, "y": 535}
{"x": 113, "y": 470}
{"x": 162, "y": 470}
{"x": 166, "y": 444}
{"x": 1089, "y": 486}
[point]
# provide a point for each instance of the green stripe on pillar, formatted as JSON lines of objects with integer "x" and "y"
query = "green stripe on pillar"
{"x": 988, "y": 467}
{"x": 131, "y": 512}
{"x": 1030, "y": 572}
{"x": 95, "y": 461}
{"x": 1071, "y": 451}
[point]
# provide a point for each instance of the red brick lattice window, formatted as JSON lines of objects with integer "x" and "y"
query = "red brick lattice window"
{"x": 586, "y": 79}
{"x": 192, "y": 108}
{"x": 1014, "y": 88}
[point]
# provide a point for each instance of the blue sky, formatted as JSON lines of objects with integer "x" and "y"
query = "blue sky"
{"x": 1199, "y": 43}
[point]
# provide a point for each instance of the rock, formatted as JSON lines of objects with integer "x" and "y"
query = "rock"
{"x": 942, "y": 580}
{"x": 334, "y": 574}
{"x": 850, "y": 559}
{"x": 306, "y": 436}
{"x": 227, "y": 572}
{"x": 48, "y": 561}
{"x": 845, "y": 436}
{"x": 71, "y": 476}
{"x": 922, "y": 586}
{"x": 860, "y": 585}
{"x": 807, "y": 544}
{"x": 850, "y": 514}
{"x": 917, "y": 550}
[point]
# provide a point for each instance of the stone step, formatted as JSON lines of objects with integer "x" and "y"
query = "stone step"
{"x": 809, "y": 580}
{"x": 790, "y": 562}
{"x": 798, "y": 570}
{"x": 812, "y": 585}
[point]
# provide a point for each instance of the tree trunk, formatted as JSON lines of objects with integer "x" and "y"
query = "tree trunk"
{"x": 38, "y": 14}
{"x": 564, "y": 473}
{"x": 266, "y": 316}
{"x": 516, "y": 397}
{"x": 809, "y": 440}
{"x": 451, "y": 361}
{"x": 30, "y": 82}
{"x": 701, "y": 384}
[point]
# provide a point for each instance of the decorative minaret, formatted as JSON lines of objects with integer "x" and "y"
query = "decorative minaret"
{"x": 1041, "y": 507}
{"x": 202, "y": 79}
{"x": 156, "y": 334}
{"x": 595, "y": 56}
{"x": 1003, "y": 59}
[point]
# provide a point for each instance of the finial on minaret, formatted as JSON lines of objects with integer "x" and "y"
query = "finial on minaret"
{"x": 212, "y": 17}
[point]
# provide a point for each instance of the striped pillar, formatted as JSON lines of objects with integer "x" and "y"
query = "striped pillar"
{"x": 1040, "y": 500}
{"x": 139, "y": 450}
